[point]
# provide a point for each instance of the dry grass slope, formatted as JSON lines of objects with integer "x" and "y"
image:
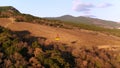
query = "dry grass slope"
{"x": 69, "y": 36}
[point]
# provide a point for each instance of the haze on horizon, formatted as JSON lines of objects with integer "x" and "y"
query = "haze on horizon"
{"x": 103, "y": 9}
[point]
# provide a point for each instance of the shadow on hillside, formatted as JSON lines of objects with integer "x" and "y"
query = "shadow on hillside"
{"x": 54, "y": 48}
{"x": 26, "y": 37}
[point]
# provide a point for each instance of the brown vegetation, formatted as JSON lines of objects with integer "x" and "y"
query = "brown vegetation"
{"x": 80, "y": 37}
{"x": 19, "y": 50}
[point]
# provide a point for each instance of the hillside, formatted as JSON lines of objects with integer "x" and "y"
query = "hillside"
{"x": 51, "y": 28}
{"x": 27, "y": 41}
{"x": 88, "y": 20}
{"x": 11, "y": 12}
{"x": 20, "y": 48}
{"x": 80, "y": 36}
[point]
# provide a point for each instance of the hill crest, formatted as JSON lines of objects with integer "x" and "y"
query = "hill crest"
{"x": 87, "y": 20}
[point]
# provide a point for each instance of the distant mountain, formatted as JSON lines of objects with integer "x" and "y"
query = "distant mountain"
{"x": 88, "y": 20}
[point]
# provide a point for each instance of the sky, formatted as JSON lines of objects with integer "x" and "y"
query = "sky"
{"x": 102, "y": 9}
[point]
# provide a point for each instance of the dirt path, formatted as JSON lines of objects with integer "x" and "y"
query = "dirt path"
{"x": 78, "y": 37}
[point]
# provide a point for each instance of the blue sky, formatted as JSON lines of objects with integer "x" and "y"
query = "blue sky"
{"x": 103, "y": 9}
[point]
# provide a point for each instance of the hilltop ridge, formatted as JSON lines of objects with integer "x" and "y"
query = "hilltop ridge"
{"x": 8, "y": 11}
{"x": 87, "y": 20}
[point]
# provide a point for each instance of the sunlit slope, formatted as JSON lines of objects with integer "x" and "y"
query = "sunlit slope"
{"x": 69, "y": 36}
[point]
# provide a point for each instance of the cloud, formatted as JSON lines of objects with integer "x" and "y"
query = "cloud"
{"x": 104, "y": 5}
{"x": 80, "y": 6}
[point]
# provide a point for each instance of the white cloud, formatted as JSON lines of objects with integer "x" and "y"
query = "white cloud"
{"x": 104, "y": 5}
{"x": 80, "y": 6}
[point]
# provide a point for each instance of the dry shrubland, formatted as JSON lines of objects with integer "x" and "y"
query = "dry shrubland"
{"x": 20, "y": 50}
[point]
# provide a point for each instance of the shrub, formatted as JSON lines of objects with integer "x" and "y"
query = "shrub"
{"x": 35, "y": 45}
{"x": 10, "y": 50}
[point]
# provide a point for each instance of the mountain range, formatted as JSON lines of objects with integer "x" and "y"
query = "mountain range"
{"x": 88, "y": 20}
